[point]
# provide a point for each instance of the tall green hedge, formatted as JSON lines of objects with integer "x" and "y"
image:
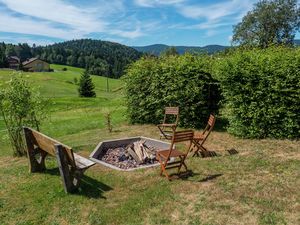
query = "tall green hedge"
{"x": 154, "y": 83}
{"x": 261, "y": 89}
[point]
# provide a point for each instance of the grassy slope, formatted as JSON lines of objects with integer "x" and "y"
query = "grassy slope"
{"x": 69, "y": 113}
{"x": 260, "y": 185}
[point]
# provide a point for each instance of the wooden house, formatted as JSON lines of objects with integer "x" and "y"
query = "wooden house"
{"x": 35, "y": 65}
{"x": 13, "y": 62}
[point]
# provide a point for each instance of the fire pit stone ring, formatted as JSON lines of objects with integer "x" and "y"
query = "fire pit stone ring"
{"x": 116, "y": 150}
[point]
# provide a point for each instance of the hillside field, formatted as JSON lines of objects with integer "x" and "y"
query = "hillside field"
{"x": 70, "y": 114}
{"x": 258, "y": 185}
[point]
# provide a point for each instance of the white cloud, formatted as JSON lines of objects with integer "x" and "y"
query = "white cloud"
{"x": 28, "y": 40}
{"x": 128, "y": 34}
{"x": 215, "y": 11}
{"x": 70, "y": 19}
{"x": 213, "y": 17}
{"x": 210, "y": 25}
{"x": 57, "y": 11}
{"x": 61, "y": 19}
{"x": 211, "y": 33}
{"x": 131, "y": 27}
{"x": 153, "y": 3}
{"x": 23, "y": 25}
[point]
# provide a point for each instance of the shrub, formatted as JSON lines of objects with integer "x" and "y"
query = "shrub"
{"x": 184, "y": 81}
{"x": 108, "y": 121}
{"x": 21, "y": 106}
{"x": 64, "y": 69}
{"x": 261, "y": 89}
{"x": 75, "y": 81}
{"x": 86, "y": 86}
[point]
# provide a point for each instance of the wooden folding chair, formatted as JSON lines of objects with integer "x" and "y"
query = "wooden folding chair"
{"x": 172, "y": 158}
{"x": 167, "y": 129}
{"x": 200, "y": 138}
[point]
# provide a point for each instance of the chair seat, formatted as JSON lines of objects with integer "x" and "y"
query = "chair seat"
{"x": 169, "y": 134}
{"x": 174, "y": 153}
{"x": 198, "y": 136}
{"x": 167, "y": 125}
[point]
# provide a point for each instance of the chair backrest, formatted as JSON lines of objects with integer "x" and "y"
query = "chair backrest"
{"x": 182, "y": 136}
{"x": 210, "y": 125}
{"x": 171, "y": 111}
{"x": 47, "y": 144}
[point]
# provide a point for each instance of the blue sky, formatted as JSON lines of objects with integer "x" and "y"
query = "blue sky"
{"x": 132, "y": 22}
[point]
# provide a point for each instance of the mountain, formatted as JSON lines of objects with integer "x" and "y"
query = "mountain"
{"x": 99, "y": 57}
{"x": 158, "y": 48}
{"x": 297, "y": 42}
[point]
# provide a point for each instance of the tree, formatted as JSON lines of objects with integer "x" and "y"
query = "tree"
{"x": 2, "y": 55}
{"x": 99, "y": 57}
{"x": 10, "y": 50}
{"x": 169, "y": 51}
{"x": 20, "y": 105}
{"x": 23, "y": 51}
{"x": 270, "y": 22}
{"x": 86, "y": 86}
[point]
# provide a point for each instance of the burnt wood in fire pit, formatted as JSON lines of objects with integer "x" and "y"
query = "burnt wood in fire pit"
{"x": 128, "y": 154}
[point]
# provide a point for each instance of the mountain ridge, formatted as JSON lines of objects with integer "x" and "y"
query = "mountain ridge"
{"x": 156, "y": 49}
{"x": 98, "y": 57}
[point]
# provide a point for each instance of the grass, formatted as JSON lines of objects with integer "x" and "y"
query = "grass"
{"x": 69, "y": 113}
{"x": 259, "y": 185}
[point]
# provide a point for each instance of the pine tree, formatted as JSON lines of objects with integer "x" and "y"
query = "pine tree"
{"x": 86, "y": 86}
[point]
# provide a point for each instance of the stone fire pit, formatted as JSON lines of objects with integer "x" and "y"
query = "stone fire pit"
{"x": 114, "y": 149}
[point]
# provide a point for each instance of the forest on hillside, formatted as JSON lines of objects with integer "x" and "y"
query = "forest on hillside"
{"x": 99, "y": 57}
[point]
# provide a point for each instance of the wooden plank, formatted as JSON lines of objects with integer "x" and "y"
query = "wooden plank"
{"x": 71, "y": 176}
{"x": 64, "y": 168}
{"x": 211, "y": 120}
{"x": 134, "y": 155}
{"x": 172, "y": 110}
{"x": 138, "y": 150}
{"x": 47, "y": 144}
{"x": 82, "y": 162}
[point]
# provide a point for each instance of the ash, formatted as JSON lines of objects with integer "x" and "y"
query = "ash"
{"x": 120, "y": 157}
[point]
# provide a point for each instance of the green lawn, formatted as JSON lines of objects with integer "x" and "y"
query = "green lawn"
{"x": 259, "y": 185}
{"x": 70, "y": 114}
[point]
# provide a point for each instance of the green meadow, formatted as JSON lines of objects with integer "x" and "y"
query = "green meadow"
{"x": 258, "y": 185}
{"x": 70, "y": 114}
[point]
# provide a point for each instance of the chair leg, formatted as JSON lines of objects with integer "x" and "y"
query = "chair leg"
{"x": 182, "y": 163}
{"x": 166, "y": 173}
{"x": 199, "y": 147}
{"x": 164, "y": 170}
{"x": 196, "y": 153}
{"x": 160, "y": 162}
{"x": 162, "y": 134}
{"x": 162, "y": 167}
{"x": 196, "y": 150}
{"x": 185, "y": 167}
{"x": 202, "y": 148}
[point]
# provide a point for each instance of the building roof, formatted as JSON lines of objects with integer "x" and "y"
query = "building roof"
{"x": 14, "y": 57}
{"x": 29, "y": 61}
